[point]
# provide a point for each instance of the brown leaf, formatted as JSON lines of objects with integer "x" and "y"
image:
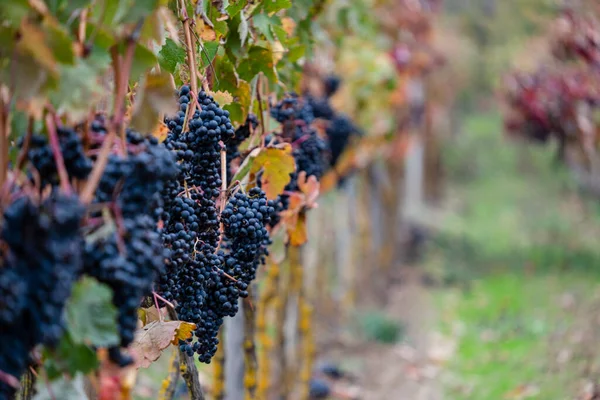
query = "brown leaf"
{"x": 153, "y": 338}
{"x": 33, "y": 42}
{"x": 310, "y": 188}
{"x": 155, "y": 99}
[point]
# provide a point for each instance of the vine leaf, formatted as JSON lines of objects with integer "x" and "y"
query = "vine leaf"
{"x": 276, "y": 164}
{"x": 295, "y": 216}
{"x": 153, "y": 338}
{"x": 235, "y": 6}
{"x": 238, "y": 110}
{"x": 208, "y": 53}
{"x": 243, "y": 28}
{"x": 91, "y": 316}
{"x": 33, "y": 42}
{"x": 297, "y": 232}
{"x": 69, "y": 357}
{"x": 244, "y": 169}
{"x": 155, "y": 99}
{"x": 273, "y": 6}
{"x": 64, "y": 389}
{"x": 170, "y": 55}
{"x": 260, "y": 59}
{"x": 263, "y": 23}
{"x": 223, "y": 98}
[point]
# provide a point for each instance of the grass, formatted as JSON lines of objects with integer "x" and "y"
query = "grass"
{"x": 519, "y": 238}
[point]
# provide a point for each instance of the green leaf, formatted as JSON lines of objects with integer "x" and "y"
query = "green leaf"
{"x": 69, "y": 357}
{"x": 170, "y": 55}
{"x": 235, "y": 6}
{"x": 208, "y": 53}
{"x": 260, "y": 59}
{"x": 91, "y": 316}
{"x": 143, "y": 60}
{"x": 78, "y": 86}
{"x": 13, "y": 12}
{"x": 59, "y": 42}
{"x": 244, "y": 169}
{"x": 273, "y": 6}
{"x": 263, "y": 23}
{"x": 63, "y": 389}
{"x": 25, "y": 75}
{"x": 295, "y": 53}
{"x": 234, "y": 44}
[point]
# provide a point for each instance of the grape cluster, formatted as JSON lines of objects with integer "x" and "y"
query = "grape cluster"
{"x": 340, "y": 131}
{"x": 293, "y": 111}
{"x": 130, "y": 258}
{"x": 42, "y": 259}
{"x": 208, "y": 271}
{"x": 228, "y": 273}
{"x": 77, "y": 164}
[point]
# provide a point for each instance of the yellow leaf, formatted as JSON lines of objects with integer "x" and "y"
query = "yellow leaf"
{"x": 184, "y": 332}
{"x": 276, "y": 164}
{"x": 206, "y": 33}
{"x": 278, "y": 51}
{"x": 223, "y": 98}
{"x": 161, "y": 131}
{"x": 297, "y": 233}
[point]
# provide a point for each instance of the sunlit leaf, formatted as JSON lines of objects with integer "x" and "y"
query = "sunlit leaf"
{"x": 222, "y": 98}
{"x": 276, "y": 165}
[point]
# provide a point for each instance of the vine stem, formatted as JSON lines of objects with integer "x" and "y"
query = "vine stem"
{"x": 122, "y": 72}
{"x": 250, "y": 360}
{"x": 267, "y": 295}
{"x": 65, "y": 186}
{"x": 169, "y": 384}
{"x": 191, "y": 56}
{"x": 26, "y": 143}
{"x": 3, "y": 139}
{"x": 263, "y": 133}
{"x": 188, "y": 369}
{"x": 219, "y": 368}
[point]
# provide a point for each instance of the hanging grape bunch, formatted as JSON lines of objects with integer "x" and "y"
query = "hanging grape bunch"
{"x": 208, "y": 270}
